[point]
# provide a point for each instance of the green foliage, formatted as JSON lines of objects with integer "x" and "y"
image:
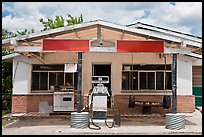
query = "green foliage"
{"x": 60, "y": 22}
{"x": 6, "y": 34}
{"x": 6, "y": 84}
{"x": 74, "y": 20}
{"x": 50, "y": 24}
{"x": 24, "y": 32}
{"x": 9, "y": 34}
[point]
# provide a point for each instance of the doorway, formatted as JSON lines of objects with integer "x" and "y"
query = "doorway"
{"x": 103, "y": 70}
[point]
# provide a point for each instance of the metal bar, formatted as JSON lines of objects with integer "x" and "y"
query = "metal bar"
{"x": 99, "y": 35}
{"x": 79, "y": 81}
{"x": 174, "y": 81}
{"x": 28, "y": 49}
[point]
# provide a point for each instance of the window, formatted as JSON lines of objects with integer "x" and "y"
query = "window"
{"x": 45, "y": 76}
{"x": 159, "y": 80}
{"x": 146, "y": 77}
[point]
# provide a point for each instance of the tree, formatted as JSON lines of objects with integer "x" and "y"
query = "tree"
{"x": 74, "y": 20}
{"x": 10, "y": 34}
{"x": 24, "y": 32}
{"x": 6, "y": 84}
{"x": 59, "y": 22}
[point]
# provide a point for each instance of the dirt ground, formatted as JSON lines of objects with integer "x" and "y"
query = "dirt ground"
{"x": 66, "y": 120}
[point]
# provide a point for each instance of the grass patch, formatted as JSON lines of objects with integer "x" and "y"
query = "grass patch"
{"x": 7, "y": 118}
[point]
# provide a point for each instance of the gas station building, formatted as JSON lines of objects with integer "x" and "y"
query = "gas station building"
{"x": 137, "y": 58}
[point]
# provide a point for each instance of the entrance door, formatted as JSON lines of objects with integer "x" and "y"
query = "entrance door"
{"x": 103, "y": 70}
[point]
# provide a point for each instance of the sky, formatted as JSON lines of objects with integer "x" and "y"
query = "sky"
{"x": 184, "y": 17}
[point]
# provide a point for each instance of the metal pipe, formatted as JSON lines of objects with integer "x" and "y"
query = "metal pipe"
{"x": 79, "y": 81}
{"x": 174, "y": 81}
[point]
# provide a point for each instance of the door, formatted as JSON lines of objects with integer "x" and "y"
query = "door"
{"x": 103, "y": 70}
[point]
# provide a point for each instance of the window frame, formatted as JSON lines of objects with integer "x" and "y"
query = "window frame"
{"x": 155, "y": 77}
{"x": 48, "y": 83}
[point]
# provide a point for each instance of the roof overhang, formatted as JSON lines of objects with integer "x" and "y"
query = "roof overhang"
{"x": 194, "y": 55}
{"x": 10, "y": 56}
{"x": 155, "y": 34}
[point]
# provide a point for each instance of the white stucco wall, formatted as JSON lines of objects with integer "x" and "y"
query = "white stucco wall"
{"x": 184, "y": 75}
{"x": 21, "y": 75}
{"x": 197, "y": 62}
{"x": 22, "y": 69}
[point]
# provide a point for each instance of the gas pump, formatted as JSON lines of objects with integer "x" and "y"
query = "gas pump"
{"x": 98, "y": 99}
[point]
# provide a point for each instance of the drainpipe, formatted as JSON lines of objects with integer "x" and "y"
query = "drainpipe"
{"x": 79, "y": 81}
{"x": 174, "y": 81}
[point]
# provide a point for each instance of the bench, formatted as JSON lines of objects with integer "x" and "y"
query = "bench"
{"x": 146, "y": 105}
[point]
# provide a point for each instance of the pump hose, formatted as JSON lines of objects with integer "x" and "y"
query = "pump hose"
{"x": 113, "y": 123}
{"x": 98, "y": 127}
{"x": 90, "y": 110}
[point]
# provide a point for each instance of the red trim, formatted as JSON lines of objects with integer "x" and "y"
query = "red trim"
{"x": 140, "y": 46}
{"x": 65, "y": 45}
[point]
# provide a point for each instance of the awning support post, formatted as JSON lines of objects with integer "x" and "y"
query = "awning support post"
{"x": 174, "y": 82}
{"x": 79, "y": 81}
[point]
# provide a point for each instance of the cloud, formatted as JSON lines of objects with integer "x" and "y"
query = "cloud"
{"x": 14, "y": 24}
{"x": 182, "y": 16}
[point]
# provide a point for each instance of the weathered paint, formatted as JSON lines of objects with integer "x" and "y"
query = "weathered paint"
{"x": 140, "y": 46}
{"x": 184, "y": 75}
{"x": 21, "y": 75}
{"x": 116, "y": 60}
{"x": 65, "y": 45}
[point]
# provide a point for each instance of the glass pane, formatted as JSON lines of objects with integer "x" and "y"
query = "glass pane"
{"x": 136, "y": 67}
{"x": 142, "y": 80}
{"x": 52, "y": 79}
{"x": 151, "y": 80}
{"x": 69, "y": 79}
{"x": 135, "y": 80}
{"x": 35, "y": 81}
{"x": 168, "y": 80}
{"x": 160, "y": 81}
{"x": 168, "y": 67}
{"x": 43, "y": 80}
{"x": 60, "y": 78}
{"x": 75, "y": 81}
{"x": 125, "y": 81}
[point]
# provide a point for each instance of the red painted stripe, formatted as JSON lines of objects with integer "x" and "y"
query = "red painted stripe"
{"x": 140, "y": 46}
{"x": 65, "y": 45}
